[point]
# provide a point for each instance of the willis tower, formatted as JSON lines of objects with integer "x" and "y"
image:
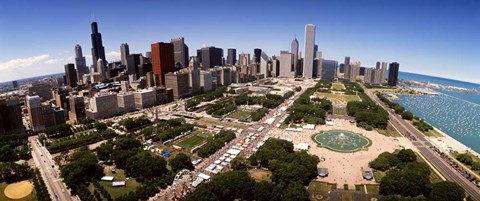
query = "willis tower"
{"x": 98, "y": 52}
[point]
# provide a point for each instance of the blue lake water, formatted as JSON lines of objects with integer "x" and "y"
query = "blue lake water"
{"x": 456, "y": 114}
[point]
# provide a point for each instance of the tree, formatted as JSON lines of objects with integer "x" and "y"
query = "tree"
{"x": 82, "y": 168}
{"x": 100, "y": 126}
{"x": 6, "y": 153}
{"x": 239, "y": 163}
{"x": 145, "y": 165}
{"x": 295, "y": 192}
{"x": 446, "y": 191}
{"x": 232, "y": 185}
{"x": 181, "y": 161}
{"x": 406, "y": 156}
{"x": 412, "y": 180}
{"x": 105, "y": 150}
{"x": 407, "y": 115}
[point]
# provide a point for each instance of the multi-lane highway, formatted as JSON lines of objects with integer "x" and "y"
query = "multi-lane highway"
{"x": 46, "y": 165}
{"x": 422, "y": 144}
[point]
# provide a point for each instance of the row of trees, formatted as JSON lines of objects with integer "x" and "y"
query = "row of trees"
{"x": 166, "y": 130}
{"x": 82, "y": 168}
{"x": 368, "y": 115}
{"x": 79, "y": 140}
{"x": 133, "y": 123}
{"x": 60, "y": 130}
{"x": 14, "y": 146}
{"x": 258, "y": 114}
{"x": 216, "y": 143}
{"x": 238, "y": 185}
{"x": 103, "y": 193}
{"x": 221, "y": 108}
{"x": 310, "y": 110}
{"x": 40, "y": 187}
{"x": 11, "y": 172}
{"x": 290, "y": 172}
{"x": 422, "y": 125}
{"x": 407, "y": 179}
{"x": 209, "y": 96}
{"x": 468, "y": 161}
{"x": 269, "y": 101}
{"x": 396, "y": 107}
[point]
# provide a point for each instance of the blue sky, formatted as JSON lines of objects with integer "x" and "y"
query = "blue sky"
{"x": 433, "y": 37}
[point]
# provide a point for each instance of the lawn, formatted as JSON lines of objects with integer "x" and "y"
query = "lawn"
{"x": 211, "y": 121}
{"x": 338, "y": 86}
{"x": 191, "y": 141}
{"x": 339, "y": 98}
{"x": 339, "y": 111}
{"x": 390, "y": 131}
{"x": 261, "y": 175}
{"x": 115, "y": 192}
{"x": 378, "y": 175}
{"x": 321, "y": 186}
{"x": 430, "y": 133}
{"x": 241, "y": 115}
{"x": 31, "y": 197}
{"x": 371, "y": 188}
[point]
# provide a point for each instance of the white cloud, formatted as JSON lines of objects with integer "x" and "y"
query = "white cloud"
{"x": 112, "y": 55}
{"x": 53, "y": 61}
{"x": 23, "y": 62}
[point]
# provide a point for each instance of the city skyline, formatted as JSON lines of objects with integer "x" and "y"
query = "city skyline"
{"x": 421, "y": 43}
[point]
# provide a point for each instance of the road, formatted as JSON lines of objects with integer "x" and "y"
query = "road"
{"x": 50, "y": 173}
{"x": 422, "y": 144}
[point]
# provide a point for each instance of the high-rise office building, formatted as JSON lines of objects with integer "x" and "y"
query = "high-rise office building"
{"x": 77, "y": 108}
{"x": 15, "y": 84}
{"x": 346, "y": 67}
{"x": 309, "y": 51}
{"x": 180, "y": 52}
{"x": 264, "y": 63}
{"x": 126, "y": 102}
{"x": 275, "y": 66}
{"x": 133, "y": 62}
{"x": 124, "y": 52}
{"x": 178, "y": 81}
{"x": 101, "y": 69}
{"x": 232, "y": 57}
{"x": 163, "y": 61}
{"x": 103, "y": 105}
{"x": 244, "y": 59}
{"x": 329, "y": 69}
{"x": 80, "y": 63}
{"x": 286, "y": 65}
{"x": 10, "y": 115}
{"x": 34, "y": 108}
{"x": 44, "y": 90}
{"x": 211, "y": 57}
{"x": 70, "y": 75}
{"x": 257, "y": 53}
{"x": 98, "y": 51}
{"x": 377, "y": 65}
{"x": 194, "y": 75}
{"x": 206, "y": 81}
{"x": 384, "y": 72}
{"x": 294, "y": 50}
{"x": 393, "y": 73}
{"x": 354, "y": 71}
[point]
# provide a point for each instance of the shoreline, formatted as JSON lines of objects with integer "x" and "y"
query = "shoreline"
{"x": 447, "y": 142}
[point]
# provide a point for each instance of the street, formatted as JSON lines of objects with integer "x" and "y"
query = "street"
{"x": 49, "y": 171}
{"x": 422, "y": 144}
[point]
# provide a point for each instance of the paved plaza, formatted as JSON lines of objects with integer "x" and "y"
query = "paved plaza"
{"x": 344, "y": 168}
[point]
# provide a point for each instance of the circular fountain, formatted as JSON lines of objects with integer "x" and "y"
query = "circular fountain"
{"x": 342, "y": 141}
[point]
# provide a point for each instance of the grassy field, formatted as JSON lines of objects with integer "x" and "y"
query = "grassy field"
{"x": 390, "y": 131}
{"x": 454, "y": 154}
{"x": 260, "y": 175}
{"x": 378, "y": 175}
{"x": 321, "y": 186}
{"x": 241, "y": 115}
{"x": 371, "y": 188}
{"x": 211, "y": 121}
{"x": 430, "y": 133}
{"x": 338, "y": 86}
{"x": 339, "y": 111}
{"x": 192, "y": 141}
{"x": 31, "y": 197}
{"x": 116, "y": 192}
{"x": 339, "y": 97}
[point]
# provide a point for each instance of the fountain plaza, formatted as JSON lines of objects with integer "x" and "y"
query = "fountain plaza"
{"x": 344, "y": 149}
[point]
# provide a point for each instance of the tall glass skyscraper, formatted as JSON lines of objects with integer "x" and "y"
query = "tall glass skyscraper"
{"x": 80, "y": 63}
{"x": 294, "y": 50}
{"x": 98, "y": 52}
{"x": 309, "y": 51}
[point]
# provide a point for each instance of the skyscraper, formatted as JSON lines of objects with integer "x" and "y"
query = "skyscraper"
{"x": 294, "y": 49}
{"x": 346, "y": 67}
{"x": 286, "y": 65}
{"x": 10, "y": 115}
{"x": 232, "y": 57}
{"x": 98, "y": 52}
{"x": 180, "y": 52}
{"x": 309, "y": 51}
{"x": 70, "y": 75}
{"x": 264, "y": 61}
{"x": 101, "y": 69}
{"x": 80, "y": 63}
{"x": 384, "y": 72}
{"x": 257, "y": 52}
{"x": 211, "y": 57}
{"x": 328, "y": 70}
{"x": 162, "y": 61}
{"x": 393, "y": 73}
{"x": 194, "y": 75}
{"x": 133, "y": 60}
{"x": 124, "y": 52}
{"x": 244, "y": 59}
